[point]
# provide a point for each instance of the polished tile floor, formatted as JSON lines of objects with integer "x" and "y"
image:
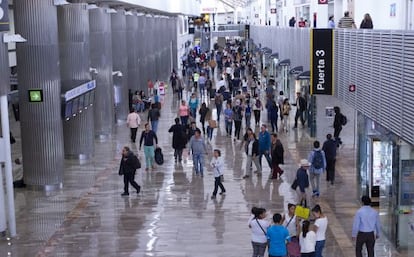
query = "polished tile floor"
{"x": 174, "y": 215}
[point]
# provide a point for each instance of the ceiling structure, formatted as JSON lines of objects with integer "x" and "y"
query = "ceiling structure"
{"x": 236, "y": 3}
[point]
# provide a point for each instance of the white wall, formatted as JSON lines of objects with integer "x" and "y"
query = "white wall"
{"x": 188, "y": 7}
{"x": 380, "y": 13}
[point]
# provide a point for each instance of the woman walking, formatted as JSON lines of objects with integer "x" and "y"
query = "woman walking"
{"x": 218, "y": 169}
{"x": 258, "y": 226}
{"x": 228, "y": 119}
{"x": 204, "y": 111}
{"x": 184, "y": 112}
{"x": 148, "y": 137}
{"x": 285, "y": 112}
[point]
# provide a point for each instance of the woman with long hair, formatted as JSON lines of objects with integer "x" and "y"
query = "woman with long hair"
{"x": 258, "y": 226}
{"x": 366, "y": 23}
{"x": 307, "y": 240}
{"x": 320, "y": 226}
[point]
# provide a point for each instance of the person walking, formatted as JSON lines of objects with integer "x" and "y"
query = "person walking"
{"x": 228, "y": 119}
{"x": 318, "y": 165}
{"x": 277, "y": 236}
{"x": 184, "y": 113}
{"x": 193, "y": 104}
{"x": 217, "y": 164}
{"x": 302, "y": 180}
{"x": 258, "y": 226}
{"x": 127, "y": 168}
{"x": 300, "y": 109}
{"x": 154, "y": 115}
{"x": 366, "y": 228}
{"x": 264, "y": 145}
{"x": 198, "y": 148}
{"x": 218, "y": 101}
{"x": 237, "y": 118}
{"x": 339, "y": 121}
{"x": 329, "y": 147}
{"x": 320, "y": 226}
{"x": 257, "y": 108}
{"x": 247, "y": 112}
{"x": 148, "y": 137}
{"x": 366, "y": 23}
{"x": 346, "y": 22}
{"x": 307, "y": 240}
{"x": 277, "y": 153}
{"x": 204, "y": 111}
{"x": 179, "y": 139}
{"x": 133, "y": 122}
{"x": 273, "y": 114}
{"x": 252, "y": 152}
{"x": 285, "y": 112}
{"x": 331, "y": 22}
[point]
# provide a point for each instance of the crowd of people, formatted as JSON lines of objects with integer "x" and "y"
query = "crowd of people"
{"x": 225, "y": 84}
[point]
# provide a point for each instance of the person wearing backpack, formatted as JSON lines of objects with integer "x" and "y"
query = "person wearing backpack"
{"x": 318, "y": 165}
{"x": 339, "y": 121}
{"x": 128, "y": 166}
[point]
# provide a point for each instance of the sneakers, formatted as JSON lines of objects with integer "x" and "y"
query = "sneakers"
{"x": 246, "y": 176}
{"x": 124, "y": 194}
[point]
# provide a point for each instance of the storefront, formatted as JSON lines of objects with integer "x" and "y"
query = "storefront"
{"x": 386, "y": 174}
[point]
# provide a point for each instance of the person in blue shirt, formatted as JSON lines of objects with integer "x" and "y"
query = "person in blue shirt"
{"x": 366, "y": 228}
{"x": 318, "y": 165}
{"x": 264, "y": 145}
{"x": 277, "y": 236}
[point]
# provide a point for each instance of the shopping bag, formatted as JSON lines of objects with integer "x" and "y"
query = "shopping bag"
{"x": 302, "y": 212}
{"x": 293, "y": 247}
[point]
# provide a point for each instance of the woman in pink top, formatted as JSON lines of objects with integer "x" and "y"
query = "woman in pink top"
{"x": 183, "y": 112}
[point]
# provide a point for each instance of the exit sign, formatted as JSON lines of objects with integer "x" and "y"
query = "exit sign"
{"x": 35, "y": 95}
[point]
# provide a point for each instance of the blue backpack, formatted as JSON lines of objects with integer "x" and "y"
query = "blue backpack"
{"x": 317, "y": 161}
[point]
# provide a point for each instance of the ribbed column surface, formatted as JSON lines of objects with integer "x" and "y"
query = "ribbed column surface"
{"x": 101, "y": 59}
{"x": 73, "y": 23}
{"x": 38, "y": 67}
{"x": 120, "y": 62}
{"x": 132, "y": 27}
{"x": 4, "y": 68}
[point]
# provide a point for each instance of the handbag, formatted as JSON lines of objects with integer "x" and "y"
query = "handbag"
{"x": 294, "y": 184}
{"x": 212, "y": 123}
{"x": 302, "y": 212}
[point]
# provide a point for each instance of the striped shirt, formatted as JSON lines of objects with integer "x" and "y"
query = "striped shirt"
{"x": 346, "y": 22}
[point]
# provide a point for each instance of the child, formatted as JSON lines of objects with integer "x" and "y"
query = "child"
{"x": 218, "y": 167}
{"x": 258, "y": 226}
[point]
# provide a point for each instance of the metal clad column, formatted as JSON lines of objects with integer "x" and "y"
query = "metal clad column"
{"x": 38, "y": 67}
{"x": 137, "y": 46}
{"x": 152, "y": 48}
{"x": 101, "y": 59}
{"x": 73, "y": 21}
{"x": 4, "y": 68}
{"x": 145, "y": 57}
{"x": 141, "y": 54}
{"x": 120, "y": 62}
{"x": 132, "y": 27}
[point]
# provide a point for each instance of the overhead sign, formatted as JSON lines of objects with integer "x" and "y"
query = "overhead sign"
{"x": 4, "y": 15}
{"x": 322, "y": 1}
{"x": 321, "y": 75}
{"x": 247, "y": 31}
{"x": 82, "y": 89}
{"x": 272, "y": 10}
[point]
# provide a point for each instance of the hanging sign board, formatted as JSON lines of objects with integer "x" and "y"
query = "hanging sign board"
{"x": 321, "y": 75}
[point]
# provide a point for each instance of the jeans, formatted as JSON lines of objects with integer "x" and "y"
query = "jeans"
{"x": 301, "y": 115}
{"x": 178, "y": 154}
{"x": 198, "y": 160}
{"x": 134, "y": 134}
{"x": 315, "y": 181}
{"x": 248, "y": 117}
{"x": 129, "y": 179}
{"x": 218, "y": 108}
{"x": 154, "y": 125}
{"x": 319, "y": 248}
{"x": 258, "y": 249}
{"x": 202, "y": 89}
{"x": 217, "y": 184}
{"x": 237, "y": 128}
{"x": 193, "y": 113}
{"x": 267, "y": 156}
{"x": 229, "y": 126}
{"x": 273, "y": 122}
{"x": 330, "y": 170}
{"x": 210, "y": 132}
{"x": 249, "y": 161}
{"x": 149, "y": 155}
{"x": 256, "y": 117}
{"x": 184, "y": 120}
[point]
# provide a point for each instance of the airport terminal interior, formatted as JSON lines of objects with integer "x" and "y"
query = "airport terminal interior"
{"x": 74, "y": 75}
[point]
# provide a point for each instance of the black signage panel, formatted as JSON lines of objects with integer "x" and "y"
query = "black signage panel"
{"x": 4, "y": 15}
{"x": 321, "y": 62}
{"x": 247, "y": 31}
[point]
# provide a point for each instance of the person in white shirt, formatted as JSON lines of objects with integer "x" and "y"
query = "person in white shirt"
{"x": 218, "y": 168}
{"x": 290, "y": 221}
{"x": 133, "y": 122}
{"x": 258, "y": 226}
{"x": 307, "y": 240}
{"x": 321, "y": 224}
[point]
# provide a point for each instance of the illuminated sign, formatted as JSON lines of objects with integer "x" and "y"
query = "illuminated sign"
{"x": 321, "y": 76}
{"x": 35, "y": 95}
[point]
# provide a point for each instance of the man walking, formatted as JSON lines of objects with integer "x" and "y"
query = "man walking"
{"x": 317, "y": 160}
{"x": 198, "y": 148}
{"x": 346, "y": 22}
{"x": 300, "y": 109}
{"x": 148, "y": 137}
{"x": 264, "y": 145}
{"x": 127, "y": 168}
{"x": 153, "y": 116}
{"x": 133, "y": 122}
{"x": 366, "y": 228}
{"x": 329, "y": 147}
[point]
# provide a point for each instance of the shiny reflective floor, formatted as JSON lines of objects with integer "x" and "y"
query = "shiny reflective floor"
{"x": 174, "y": 215}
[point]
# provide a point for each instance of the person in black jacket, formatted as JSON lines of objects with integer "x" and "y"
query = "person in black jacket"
{"x": 148, "y": 137}
{"x": 300, "y": 109}
{"x": 252, "y": 151}
{"x": 302, "y": 179}
{"x": 366, "y": 23}
{"x": 128, "y": 165}
{"x": 337, "y": 125}
{"x": 277, "y": 156}
{"x": 329, "y": 147}
{"x": 179, "y": 139}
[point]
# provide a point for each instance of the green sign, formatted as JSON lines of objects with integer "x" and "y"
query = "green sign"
{"x": 35, "y": 95}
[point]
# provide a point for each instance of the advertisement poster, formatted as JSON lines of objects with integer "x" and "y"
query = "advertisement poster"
{"x": 407, "y": 182}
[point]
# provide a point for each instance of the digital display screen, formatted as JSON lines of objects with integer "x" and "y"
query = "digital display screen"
{"x": 35, "y": 95}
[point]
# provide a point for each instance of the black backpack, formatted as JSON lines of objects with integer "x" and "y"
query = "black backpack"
{"x": 317, "y": 161}
{"x": 159, "y": 157}
{"x": 344, "y": 120}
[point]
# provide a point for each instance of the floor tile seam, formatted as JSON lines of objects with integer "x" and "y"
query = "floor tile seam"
{"x": 57, "y": 237}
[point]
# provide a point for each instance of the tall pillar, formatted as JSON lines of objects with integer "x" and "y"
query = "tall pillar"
{"x": 101, "y": 60}
{"x": 73, "y": 23}
{"x": 120, "y": 63}
{"x": 38, "y": 68}
{"x": 131, "y": 38}
{"x": 141, "y": 53}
